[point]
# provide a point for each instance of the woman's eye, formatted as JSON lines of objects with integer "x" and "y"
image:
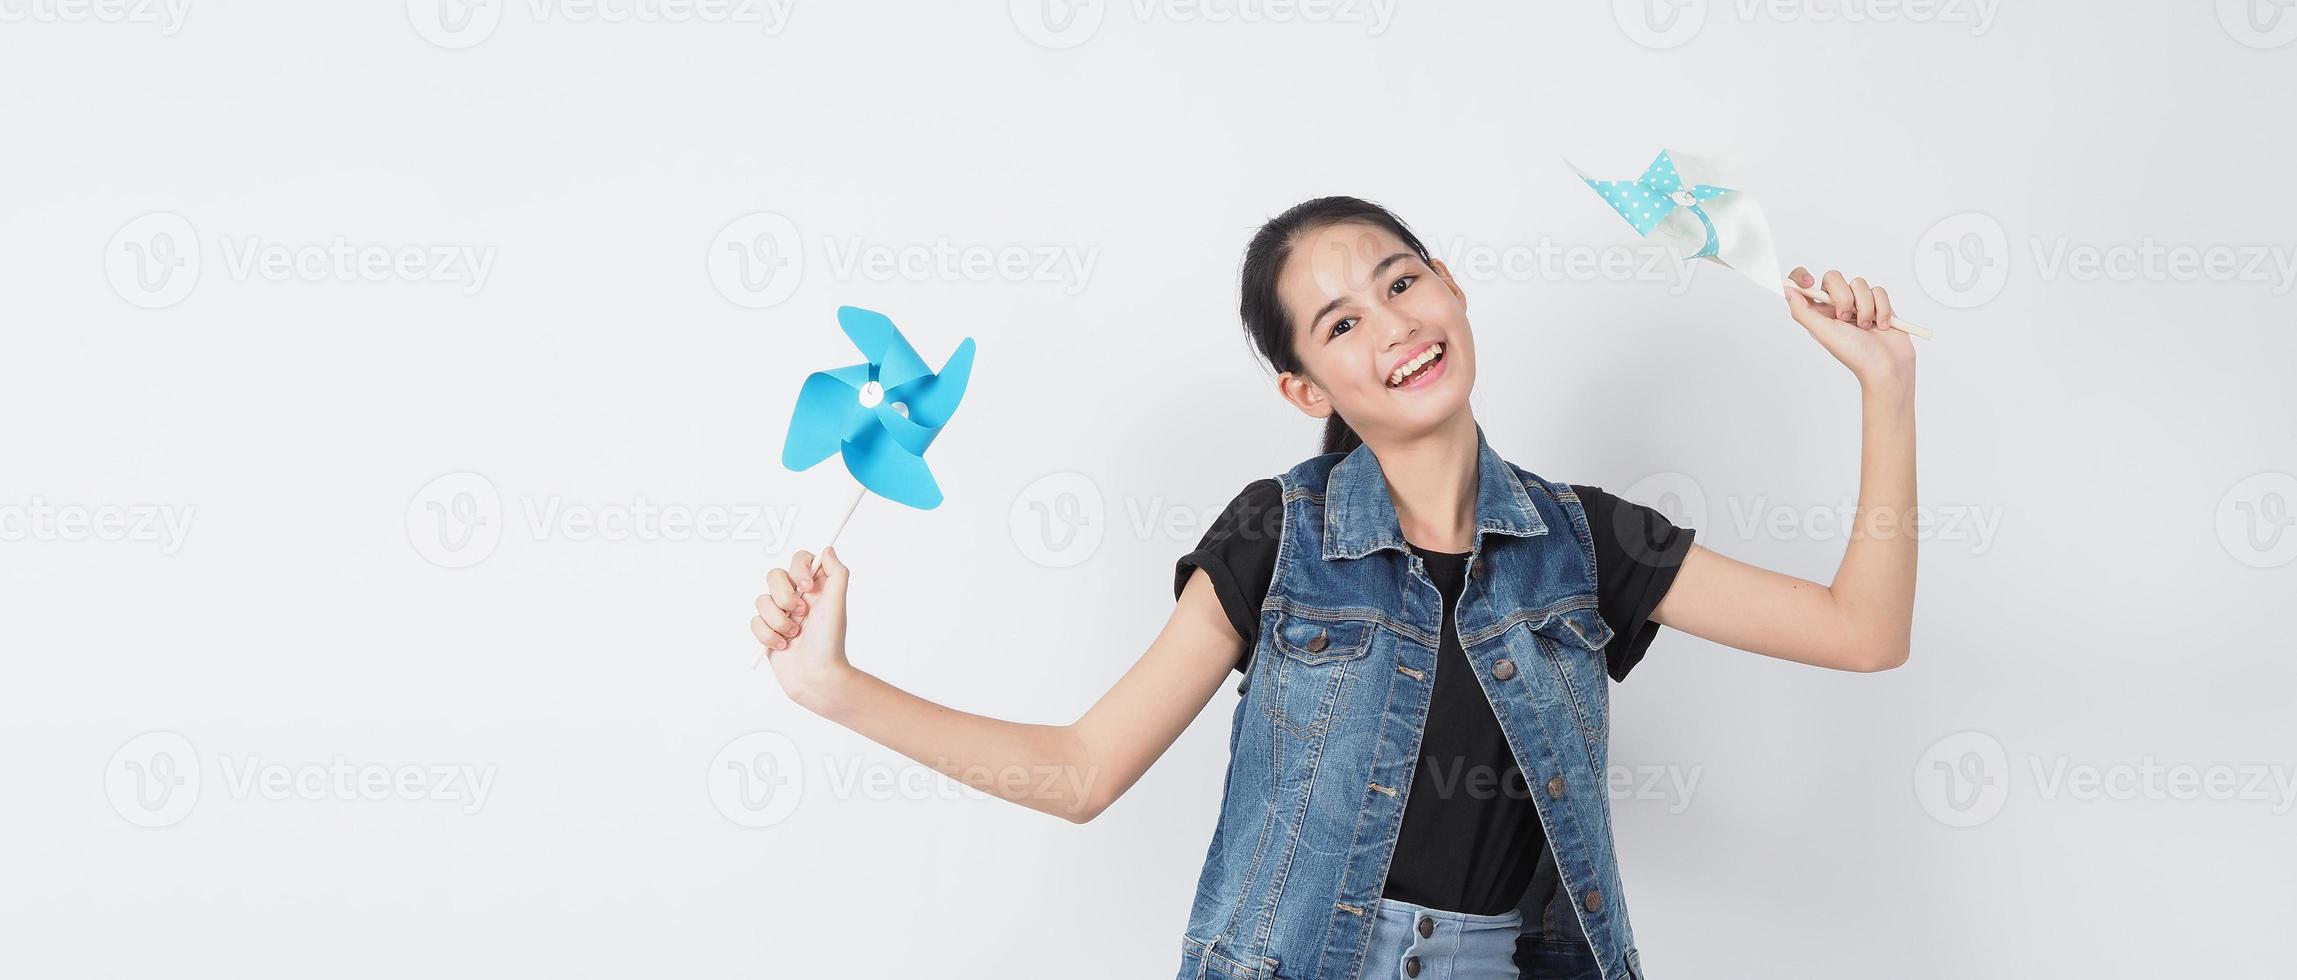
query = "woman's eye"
{"x": 1342, "y": 326}
{"x": 1402, "y": 283}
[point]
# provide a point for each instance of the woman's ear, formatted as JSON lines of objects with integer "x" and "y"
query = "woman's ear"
{"x": 1303, "y": 394}
{"x": 1449, "y": 282}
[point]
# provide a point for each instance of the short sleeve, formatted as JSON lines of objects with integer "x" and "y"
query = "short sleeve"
{"x": 1238, "y": 553}
{"x": 1637, "y": 552}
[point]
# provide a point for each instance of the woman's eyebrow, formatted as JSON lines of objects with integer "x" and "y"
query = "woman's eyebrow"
{"x": 1377, "y": 271}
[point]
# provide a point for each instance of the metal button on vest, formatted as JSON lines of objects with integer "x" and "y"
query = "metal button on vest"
{"x": 1555, "y": 787}
{"x": 1503, "y": 670}
{"x": 1594, "y": 899}
{"x": 1318, "y": 644}
{"x": 1411, "y": 966}
{"x": 1427, "y": 927}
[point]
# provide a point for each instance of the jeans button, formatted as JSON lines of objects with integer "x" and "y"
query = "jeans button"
{"x": 1594, "y": 899}
{"x": 1318, "y": 644}
{"x": 1427, "y": 927}
{"x": 1411, "y": 966}
{"x": 1503, "y": 670}
{"x": 1555, "y": 787}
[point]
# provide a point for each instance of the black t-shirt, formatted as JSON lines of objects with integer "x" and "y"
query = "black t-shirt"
{"x": 1471, "y": 837}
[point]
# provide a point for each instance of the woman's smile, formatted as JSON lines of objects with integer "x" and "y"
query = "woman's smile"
{"x": 1418, "y": 369}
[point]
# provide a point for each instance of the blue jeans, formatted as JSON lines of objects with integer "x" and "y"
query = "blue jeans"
{"x": 1415, "y": 942}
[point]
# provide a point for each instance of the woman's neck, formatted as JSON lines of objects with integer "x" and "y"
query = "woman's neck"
{"x": 1432, "y": 482}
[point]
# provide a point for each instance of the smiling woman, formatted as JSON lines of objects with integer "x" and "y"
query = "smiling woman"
{"x": 1425, "y": 634}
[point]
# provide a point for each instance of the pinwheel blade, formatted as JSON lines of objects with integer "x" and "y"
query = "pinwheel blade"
{"x": 897, "y": 363}
{"x": 827, "y": 403}
{"x": 933, "y": 399}
{"x": 878, "y": 460}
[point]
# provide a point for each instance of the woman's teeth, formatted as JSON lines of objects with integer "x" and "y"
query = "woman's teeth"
{"x": 1405, "y": 370}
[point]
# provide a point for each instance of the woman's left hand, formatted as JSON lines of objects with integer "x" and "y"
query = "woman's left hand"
{"x": 1854, "y": 327}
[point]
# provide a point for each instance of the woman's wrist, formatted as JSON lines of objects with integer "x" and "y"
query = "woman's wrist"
{"x": 829, "y": 693}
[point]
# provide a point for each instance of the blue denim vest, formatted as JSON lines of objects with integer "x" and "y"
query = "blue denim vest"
{"x": 1327, "y": 734}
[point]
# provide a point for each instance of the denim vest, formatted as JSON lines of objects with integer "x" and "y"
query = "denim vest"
{"x": 1325, "y": 739}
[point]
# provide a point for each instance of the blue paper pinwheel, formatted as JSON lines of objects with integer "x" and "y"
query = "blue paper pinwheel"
{"x": 1648, "y": 200}
{"x": 879, "y": 415}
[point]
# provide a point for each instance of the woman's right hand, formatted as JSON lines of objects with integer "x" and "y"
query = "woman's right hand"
{"x": 801, "y": 622}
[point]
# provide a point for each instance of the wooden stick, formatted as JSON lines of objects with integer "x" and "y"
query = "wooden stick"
{"x": 1813, "y": 294}
{"x": 816, "y": 563}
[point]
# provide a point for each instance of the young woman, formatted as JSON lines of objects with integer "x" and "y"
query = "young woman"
{"x": 1425, "y": 632}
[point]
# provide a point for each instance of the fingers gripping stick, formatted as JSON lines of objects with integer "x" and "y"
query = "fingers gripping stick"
{"x": 814, "y": 566}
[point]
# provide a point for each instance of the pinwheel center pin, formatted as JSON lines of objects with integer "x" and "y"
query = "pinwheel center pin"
{"x": 871, "y": 394}
{"x": 1685, "y": 198}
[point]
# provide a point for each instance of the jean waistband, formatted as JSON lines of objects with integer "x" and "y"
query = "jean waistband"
{"x": 1465, "y": 921}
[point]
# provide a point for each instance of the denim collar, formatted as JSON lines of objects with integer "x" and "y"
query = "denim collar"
{"x": 1360, "y": 516}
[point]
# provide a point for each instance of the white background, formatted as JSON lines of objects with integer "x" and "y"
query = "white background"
{"x": 2128, "y": 434}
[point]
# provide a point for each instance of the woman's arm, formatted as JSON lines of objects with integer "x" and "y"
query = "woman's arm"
{"x": 1865, "y": 619}
{"x": 1072, "y": 771}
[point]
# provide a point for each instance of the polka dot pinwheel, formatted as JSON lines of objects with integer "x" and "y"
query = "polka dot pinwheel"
{"x": 1679, "y": 202}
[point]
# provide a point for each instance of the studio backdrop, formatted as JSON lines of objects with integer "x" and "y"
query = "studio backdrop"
{"x": 393, "y": 400}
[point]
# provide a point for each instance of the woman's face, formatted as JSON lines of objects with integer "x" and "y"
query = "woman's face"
{"x": 1383, "y": 336}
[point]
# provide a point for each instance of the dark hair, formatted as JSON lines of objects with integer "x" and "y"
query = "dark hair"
{"x": 1265, "y": 318}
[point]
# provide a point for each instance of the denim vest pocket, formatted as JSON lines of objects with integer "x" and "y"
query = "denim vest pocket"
{"x": 1572, "y": 643}
{"x": 1203, "y": 959}
{"x": 1318, "y": 654}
